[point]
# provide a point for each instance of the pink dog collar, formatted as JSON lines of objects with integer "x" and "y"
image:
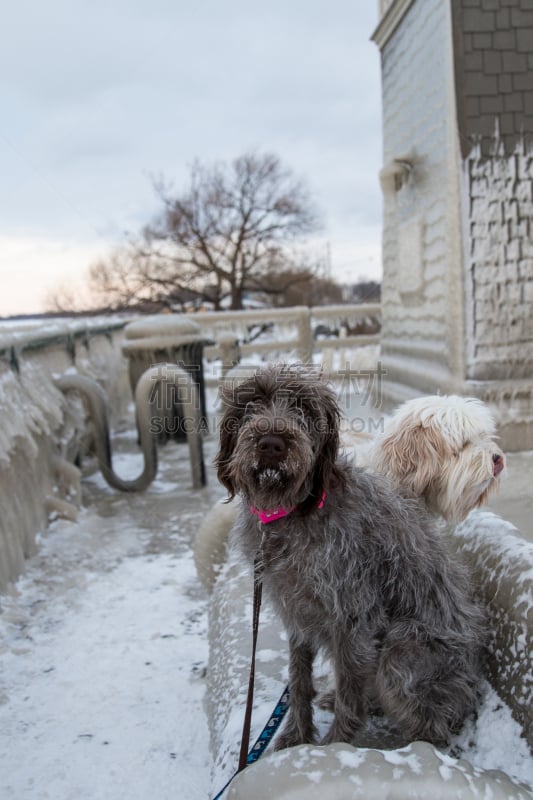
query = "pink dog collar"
{"x": 278, "y": 513}
{"x": 270, "y": 516}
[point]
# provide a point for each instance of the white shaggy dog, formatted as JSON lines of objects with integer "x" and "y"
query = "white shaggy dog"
{"x": 442, "y": 449}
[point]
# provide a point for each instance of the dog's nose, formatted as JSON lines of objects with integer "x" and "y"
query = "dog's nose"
{"x": 498, "y": 462}
{"x": 272, "y": 445}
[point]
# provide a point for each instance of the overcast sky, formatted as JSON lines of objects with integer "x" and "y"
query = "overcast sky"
{"x": 98, "y": 97}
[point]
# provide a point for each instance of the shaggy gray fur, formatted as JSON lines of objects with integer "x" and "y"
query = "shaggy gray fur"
{"x": 365, "y": 578}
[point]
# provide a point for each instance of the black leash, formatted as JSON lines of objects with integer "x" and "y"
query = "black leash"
{"x": 258, "y": 593}
{"x": 249, "y": 757}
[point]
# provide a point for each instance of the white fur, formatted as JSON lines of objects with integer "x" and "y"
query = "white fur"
{"x": 442, "y": 449}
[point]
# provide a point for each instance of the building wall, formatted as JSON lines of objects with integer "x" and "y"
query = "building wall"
{"x": 422, "y": 332}
{"x": 493, "y": 46}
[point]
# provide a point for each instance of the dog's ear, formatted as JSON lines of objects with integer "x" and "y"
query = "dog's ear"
{"x": 229, "y": 427}
{"x": 411, "y": 455}
{"x": 235, "y": 397}
{"x": 325, "y": 473}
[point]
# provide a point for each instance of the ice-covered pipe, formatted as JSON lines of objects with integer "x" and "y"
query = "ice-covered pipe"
{"x": 95, "y": 399}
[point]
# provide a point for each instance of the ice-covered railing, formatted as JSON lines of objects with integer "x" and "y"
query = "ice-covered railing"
{"x": 16, "y": 339}
{"x": 298, "y": 330}
{"x": 39, "y": 433}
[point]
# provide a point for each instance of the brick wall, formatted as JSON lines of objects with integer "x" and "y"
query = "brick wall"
{"x": 493, "y": 46}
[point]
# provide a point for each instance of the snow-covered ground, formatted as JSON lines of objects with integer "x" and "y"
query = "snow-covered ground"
{"x": 103, "y": 650}
{"x": 103, "y": 647}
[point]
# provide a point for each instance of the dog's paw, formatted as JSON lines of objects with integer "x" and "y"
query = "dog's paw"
{"x": 291, "y": 737}
{"x": 343, "y": 730}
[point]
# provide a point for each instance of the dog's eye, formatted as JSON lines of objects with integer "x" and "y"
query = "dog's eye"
{"x": 298, "y": 413}
{"x": 251, "y": 408}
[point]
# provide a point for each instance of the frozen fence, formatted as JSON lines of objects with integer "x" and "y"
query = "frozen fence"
{"x": 299, "y": 331}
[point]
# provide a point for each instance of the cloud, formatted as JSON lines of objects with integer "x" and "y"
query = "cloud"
{"x": 25, "y": 261}
{"x": 99, "y": 96}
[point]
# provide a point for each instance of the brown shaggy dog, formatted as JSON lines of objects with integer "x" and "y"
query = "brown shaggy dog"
{"x": 353, "y": 567}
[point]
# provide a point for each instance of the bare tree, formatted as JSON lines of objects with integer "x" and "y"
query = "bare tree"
{"x": 122, "y": 281}
{"x": 234, "y": 227}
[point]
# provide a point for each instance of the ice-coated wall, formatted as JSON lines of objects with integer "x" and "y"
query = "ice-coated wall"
{"x": 421, "y": 294}
{"x": 39, "y": 428}
{"x": 498, "y": 224}
{"x": 499, "y": 268}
